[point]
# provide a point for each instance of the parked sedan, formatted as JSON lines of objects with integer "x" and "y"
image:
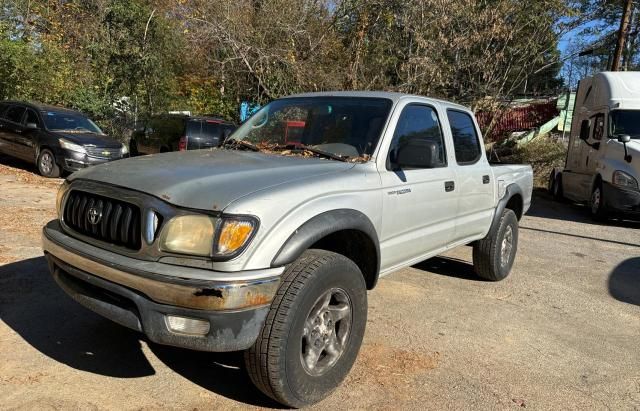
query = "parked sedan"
{"x": 54, "y": 138}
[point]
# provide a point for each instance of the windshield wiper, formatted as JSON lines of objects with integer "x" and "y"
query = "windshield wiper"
{"x": 324, "y": 153}
{"x": 236, "y": 144}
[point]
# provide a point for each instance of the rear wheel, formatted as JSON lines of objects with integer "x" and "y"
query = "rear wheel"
{"x": 555, "y": 186}
{"x": 133, "y": 148}
{"x": 313, "y": 331}
{"x": 493, "y": 256}
{"x": 47, "y": 165}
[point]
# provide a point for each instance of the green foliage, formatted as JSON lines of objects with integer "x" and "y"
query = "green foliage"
{"x": 543, "y": 154}
{"x": 207, "y": 56}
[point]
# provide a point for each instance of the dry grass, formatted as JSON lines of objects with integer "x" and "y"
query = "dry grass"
{"x": 543, "y": 154}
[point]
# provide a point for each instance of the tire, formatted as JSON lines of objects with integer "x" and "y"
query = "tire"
{"x": 556, "y": 187}
{"x": 493, "y": 256}
{"x": 46, "y": 163}
{"x": 133, "y": 148}
{"x": 281, "y": 362}
{"x": 596, "y": 203}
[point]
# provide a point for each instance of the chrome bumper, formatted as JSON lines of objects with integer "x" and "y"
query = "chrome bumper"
{"x": 165, "y": 283}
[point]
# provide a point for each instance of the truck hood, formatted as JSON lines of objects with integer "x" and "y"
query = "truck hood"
{"x": 207, "y": 179}
{"x": 89, "y": 139}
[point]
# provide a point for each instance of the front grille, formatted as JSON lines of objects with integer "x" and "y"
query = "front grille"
{"x": 103, "y": 218}
{"x": 103, "y": 152}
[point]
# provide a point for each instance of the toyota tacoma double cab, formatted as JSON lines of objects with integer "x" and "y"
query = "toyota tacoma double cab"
{"x": 268, "y": 246}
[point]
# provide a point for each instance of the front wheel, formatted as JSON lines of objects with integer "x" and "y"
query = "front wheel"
{"x": 596, "y": 203}
{"x": 493, "y": 256}
{"x": 313, "y": 331}
{"x": 47, "y": 166}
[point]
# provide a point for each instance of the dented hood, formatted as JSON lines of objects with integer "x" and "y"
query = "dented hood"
{"x": 207, "y": 179}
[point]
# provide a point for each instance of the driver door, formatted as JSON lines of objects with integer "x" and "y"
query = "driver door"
{"x": 419, "y": 203}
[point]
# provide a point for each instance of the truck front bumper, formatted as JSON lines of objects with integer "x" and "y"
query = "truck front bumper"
{"x": 182, "y": 310}
{"x": 620, "y": 201}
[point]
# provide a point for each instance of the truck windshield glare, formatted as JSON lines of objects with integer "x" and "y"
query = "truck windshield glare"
{"x": 625, "y": 122}
{"x": 348, "y": 127}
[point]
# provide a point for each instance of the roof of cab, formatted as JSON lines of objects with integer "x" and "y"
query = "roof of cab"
{"x": 395, "y": 97}
{"x": 620, "y": 89}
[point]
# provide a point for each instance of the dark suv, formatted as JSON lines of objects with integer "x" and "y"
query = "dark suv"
{"x": 176, "y": 132}
{"x": 54, "y": 138}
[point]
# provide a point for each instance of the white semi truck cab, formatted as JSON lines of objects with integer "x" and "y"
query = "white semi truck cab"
{"x": 602, "y": 167}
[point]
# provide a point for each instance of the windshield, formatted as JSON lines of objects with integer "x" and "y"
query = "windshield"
{"x": 339, "y": 127}
{"x": 58, "y": 121}
{"x": 625, "y": 122}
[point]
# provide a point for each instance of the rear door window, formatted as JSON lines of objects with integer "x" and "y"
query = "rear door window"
{"x": 31, "y": 117}
{"x": 15, "y": 114}
{"x": 3, "y": 108}
{"x": 465, "y": 137}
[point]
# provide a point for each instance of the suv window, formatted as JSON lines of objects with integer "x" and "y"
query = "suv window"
{"x": 3, "y": 108}
{"x": 204, "y": 128}
{"x": 15, "y": 114}
{"x": 465, "y": 137}
{"x": 31, "y": 117}
{"x": 420, "y": 122}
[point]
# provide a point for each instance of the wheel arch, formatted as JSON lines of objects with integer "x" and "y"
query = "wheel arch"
{"x": 513, "y": 199}
{"x": 344, "y": 231}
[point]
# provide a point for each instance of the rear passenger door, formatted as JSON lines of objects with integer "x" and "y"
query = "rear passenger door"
{"x": 4, "y": 142}
{"x": 12, "y": 128}
{"x": 418, "y": 203}
{"x": 27, "y": 139}
{"x": 473, "y": 177}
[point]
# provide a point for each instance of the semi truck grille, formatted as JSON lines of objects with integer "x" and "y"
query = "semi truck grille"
{"x": 103, "y": 152}
{"x": 103, "y": 218}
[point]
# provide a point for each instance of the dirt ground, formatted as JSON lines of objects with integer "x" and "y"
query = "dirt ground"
{"x": 562, "y": 332}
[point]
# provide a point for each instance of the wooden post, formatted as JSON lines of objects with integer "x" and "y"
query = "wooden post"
{"x": 622, "y": 35}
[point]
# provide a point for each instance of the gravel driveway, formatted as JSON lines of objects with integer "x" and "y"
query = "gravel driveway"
{"x": 562, "y": 332}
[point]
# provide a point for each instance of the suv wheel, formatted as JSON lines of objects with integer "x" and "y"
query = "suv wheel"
{"x": 47, "y": 165}
{"x": 313, "y": 332}
{"x": 133, "y": 148}
{"x": 596, "y": 203}
{"x": 493, "y": 256}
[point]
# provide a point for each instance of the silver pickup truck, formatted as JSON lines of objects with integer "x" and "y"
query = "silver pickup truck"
{"x": 270, "y": 243}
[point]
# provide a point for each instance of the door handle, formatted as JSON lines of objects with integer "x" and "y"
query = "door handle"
{"x": 449, "y": 186}
{"x": 485, "y": 179}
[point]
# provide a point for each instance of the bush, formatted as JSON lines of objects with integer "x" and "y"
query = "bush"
{"x": 543, "y": 154}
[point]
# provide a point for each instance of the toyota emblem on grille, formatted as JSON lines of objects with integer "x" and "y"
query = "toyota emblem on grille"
{"x": 94, "y": 215}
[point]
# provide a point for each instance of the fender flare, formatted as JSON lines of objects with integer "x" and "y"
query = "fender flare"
{"x": 322, "y": 225}
{"x": 511, "y": 190}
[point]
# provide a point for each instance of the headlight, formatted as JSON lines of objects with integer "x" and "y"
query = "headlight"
{"x": 124, "y": 150}
{"x": 189, "y": 234}
{"x": 68, "y": 145}
{"x": 207, "y": 236}
{"x": 64, "y": 187}
{"x": 622, "y": 179}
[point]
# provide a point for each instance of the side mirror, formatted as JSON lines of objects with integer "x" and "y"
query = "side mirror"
{"x": 624, "y": 138}
{"x": 417, "y": 153}
{"x": 31, "y": 126}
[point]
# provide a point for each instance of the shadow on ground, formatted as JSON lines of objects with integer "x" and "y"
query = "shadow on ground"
{"x": 32, "y": 304}
{"x": 17, "y": 163}
{"x": 544, "y": 206}
{"x": 451, "y": 267}
{"x": 624, "y": 281}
